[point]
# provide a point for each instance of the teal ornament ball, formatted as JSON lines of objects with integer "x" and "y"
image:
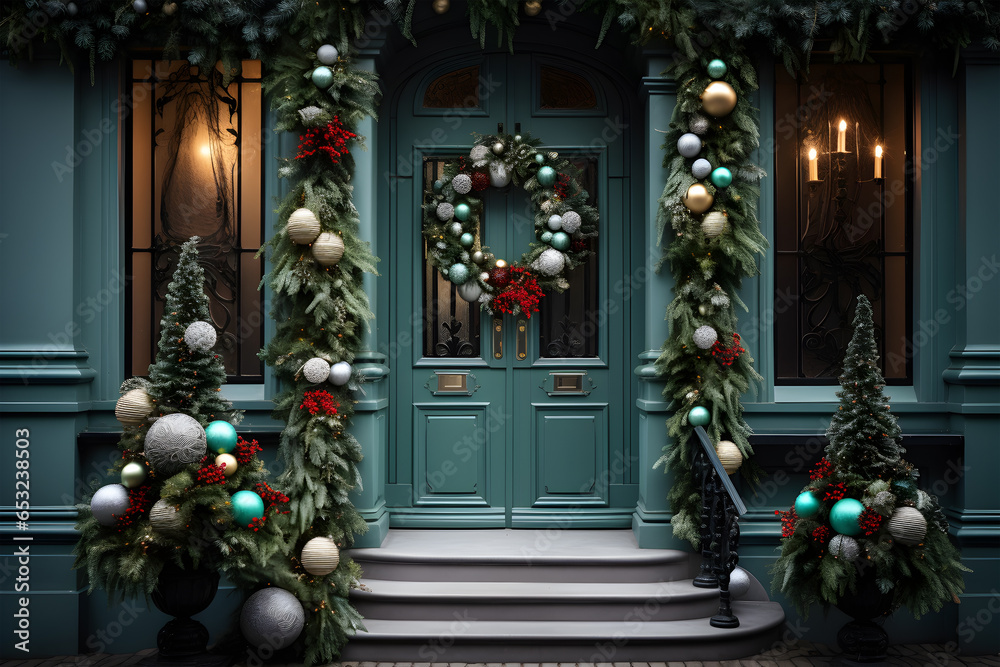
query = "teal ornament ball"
{"x": 546, "y": 237}
{"x": 807, "y": 505}
{"x": 546, "y": 176}
{"x": 438, "y": 185}
{"x": 467, "y": 240}
{"x": 539, "y": 158}
{"x": 247, "y": 506}
{"x": 560, "y": 241}
{"x": 221, "y": 437}
{"x": 717, "y": 69}
{"x": 844, "y": 516}
{"x": 458, "y": 273}
{"x": 322, "y": 76}
{"x": 462, "y": 212}
{"x": 699, "y": 416}
{"x": 721, "y": 177}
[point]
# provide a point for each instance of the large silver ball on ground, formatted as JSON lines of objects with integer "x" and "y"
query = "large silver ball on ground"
{"x": 316, "y": 370}
{"x": 272, "y": 617}
{"x": 303, "y": 226}
{"x": 907, "y": 526}
{"x": 705, "y": 336}
{"x": 328, "y": 248}
{"x": 571, "y": 222}
{"x": 340, "y": 373}
{"x": 689, "y": 144}
{"x": 470, "y": 291}
{"x": 200, "y": 336}
{"x": 133, "y": 407}
{"x": 739, "y": 583}
{"x": 713, "y": 224}
{"x": 320, "y": 556}
{"x": 174, "y": 441}
{"x": 327, "y": 54}
{"x": 164, "y": 518}
{"x": 109, "y": 503}
{"x": 844, "y": 547}
{"x": 729, "y": 455}
{"x": 499, "y": 175}
{"x": 550, "y": 262}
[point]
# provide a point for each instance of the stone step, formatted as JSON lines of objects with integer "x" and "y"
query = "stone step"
{"x": 465, "y": 638}
{"x": 541, "y": 601}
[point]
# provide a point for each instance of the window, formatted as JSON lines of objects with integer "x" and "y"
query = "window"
{"x": 843, "y": 225}
{"x": 195, "y": 151}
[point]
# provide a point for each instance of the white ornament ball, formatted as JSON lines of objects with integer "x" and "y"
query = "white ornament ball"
{"x": 571, "y": 222}
{"x": 470, "y": 291}
{"x": 164, "y": 518}
{"x": 272, "y": 617}
{"x": 340, "y": 373}
{"x": 907, "y": 526}
{"x": 689, "y": 145}
{"x": 554, "y": 222}
{"x": 713, "y": 224}
{"x": 462, "y": 183}
{"x": 328, "y": 248}
{"x": 698, "y": 125}
{"x": 498, "y": 148}
{"x": 303, "y": 226}
{"x": 478, "y": 155}
{"x": 229, "y": 461}
{"x": 705, "y": 336}
{"x": 739, "y": 583}
{"x": 320, "y": 556}
{"x": 499, "y": 175}
{"x": 174, "y": 441}
{"x": 729, "y": 455}
{"x": 701, "y": 168}
{"x": 200, "y": 336}
{"x": 109, "y": 503}
{"x": 133, "y": 407}
{"x": 445, "y": 211}
{"x": 550, "y": 262}
{"x": 327, "y": 54}
{"x": 456, "y": 229}
{"x": 844, "y": 547}
{"x": 316, "y": 370}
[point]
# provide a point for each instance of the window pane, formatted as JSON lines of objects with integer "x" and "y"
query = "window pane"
{"x": 451, "y": 324}
{"x": 842, "y": 215}
{"x": 196, "y": 171}
{"x": 454, "y": 90}
{"x": 560, "y": 89}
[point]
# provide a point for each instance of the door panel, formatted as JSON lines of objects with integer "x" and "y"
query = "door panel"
{"x": 452, "y": 446}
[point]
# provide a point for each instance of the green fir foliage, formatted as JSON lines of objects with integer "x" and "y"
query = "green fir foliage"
{"x": 863, "y": 461}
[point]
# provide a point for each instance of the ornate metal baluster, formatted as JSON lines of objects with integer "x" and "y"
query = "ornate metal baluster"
{"x": 727, "y": 557}
{"x": 703, "y": 469}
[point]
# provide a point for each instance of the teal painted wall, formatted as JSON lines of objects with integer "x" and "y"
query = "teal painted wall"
{"x": 61, "y": 333}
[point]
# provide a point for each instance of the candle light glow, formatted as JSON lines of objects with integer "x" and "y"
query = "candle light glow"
{"x": 842, "y": 137}
{"x": 878, "y": 162}
{"x": 813, "y": 165}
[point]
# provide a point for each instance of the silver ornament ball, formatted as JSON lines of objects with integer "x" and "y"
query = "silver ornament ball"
{"x": 174, "y": 441}
{"x": 200, "y": 336}
{"x": 701, "y": 168}
{"x": 109, "y": 503}
{"x": 340, "y": 373}
{"x": 554, "y": 222}
{"x": 470, "y": 291}
{"x": 327, "y": 54}
{"x": 462, "y": 183}
{"x": 272, "y": 617}
{"x": 844, "y": 547}
{"x": 705, "y": 336}
{"x": 498, "y": 148}
{"x": 444, "y": 211}
{"x": 571, "y": 222}
{"x": 550, "y": 262}
{"x": 499, "y": 175}
{"x": 698, "y": 124}
{"x": 316, "y": 370}
{"x": 689, "y": 145}
{"x": 739, "y": 583}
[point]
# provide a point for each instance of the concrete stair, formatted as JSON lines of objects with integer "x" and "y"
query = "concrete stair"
{"x": 548, "y": 595}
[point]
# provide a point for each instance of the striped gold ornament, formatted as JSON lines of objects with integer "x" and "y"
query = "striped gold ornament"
{"x": 133, "y": 407}
{"x": 328, "y": 248}
{"x": 320, "y": 556}
{"x": 303, "y": 226}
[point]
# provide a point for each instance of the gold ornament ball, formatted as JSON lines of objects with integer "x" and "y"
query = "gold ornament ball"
{"x": 703, "y": 310}
{"x": 320, "y": 556}
{"x": 230, "y": 462}
{"x": 441, "y": 6}
{"x": 303, "y": 226}
{"x": 133, "y": 407}
{"x": 719, "y": 99}
{"x": 729, "y": 455}
{"x": 532, "y": 7}
{"x": 698, "y": 199}
{"x": 713, "y": 224}
{"x": 327, "y": 249}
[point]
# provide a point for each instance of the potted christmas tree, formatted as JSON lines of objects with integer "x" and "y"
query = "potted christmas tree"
{"x": 862, "y": 535}
{"x": 193, "y": 499}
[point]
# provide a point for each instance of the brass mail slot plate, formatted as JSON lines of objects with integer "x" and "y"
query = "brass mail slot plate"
{"x": 453, "y": 382}
{"x": 563, "y": 382}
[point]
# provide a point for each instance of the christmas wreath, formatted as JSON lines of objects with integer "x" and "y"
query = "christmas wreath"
{"x": 565, "y": 224}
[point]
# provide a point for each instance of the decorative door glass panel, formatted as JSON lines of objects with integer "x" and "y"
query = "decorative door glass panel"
{"x": 451, "y": 324}
{"x": 562, "y": 89}
{"x": 569, "y": 322}
{"x": 196, "y": 171}
{"x": 458, "y": 89}
{"x": 843, "y": 225}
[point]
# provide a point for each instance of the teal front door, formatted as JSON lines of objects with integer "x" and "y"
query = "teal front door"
{"x": 496, "y": 420}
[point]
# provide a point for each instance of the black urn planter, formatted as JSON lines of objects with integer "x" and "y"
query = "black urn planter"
{"x": 863, "y": 639}
{"x": 182, "y": 593}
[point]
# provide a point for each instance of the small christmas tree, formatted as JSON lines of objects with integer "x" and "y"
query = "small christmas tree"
{"x": 182, "y": 485}
{"x": 862, "y": 508}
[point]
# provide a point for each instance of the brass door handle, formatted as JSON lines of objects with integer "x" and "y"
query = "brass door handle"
{"x": 521, "y": 348}
{"x": 497, "y": 327}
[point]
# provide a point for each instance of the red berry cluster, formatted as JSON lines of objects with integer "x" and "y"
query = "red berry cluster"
{"x": 562, "y": 186}
{"x": 522, "y": 291}
{"x": 245, "y": 451}
{"x": 578, "y": 245}
{"x": 209, "y": 473}
{"x": 140, "y": 499}
{"x": 788, "y": 521}
{"x": 726, "y": 355}
{"x": 835, "y": 492}
{"x": 821, "y": 534}
{"x": 870, "y": 521}
{"x": 257, "y": 523}
{"x": 330, "y": 140}
{"x": 270, "y": 496}
{"x": 319, "y": 400}
{"x": 822, "y": 470}
{"x": 480, "y": 181}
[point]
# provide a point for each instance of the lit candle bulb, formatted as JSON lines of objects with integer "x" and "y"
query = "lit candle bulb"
{"x": 842, "y": 138}
{"x": 878, "y": 162}
{"x": 813, "y": 165}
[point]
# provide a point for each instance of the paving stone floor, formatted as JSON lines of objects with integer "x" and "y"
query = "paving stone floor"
{"x": 803, "y": 654}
